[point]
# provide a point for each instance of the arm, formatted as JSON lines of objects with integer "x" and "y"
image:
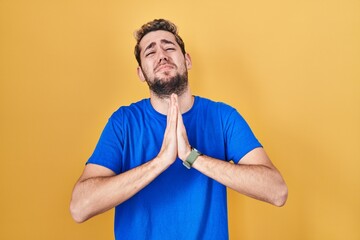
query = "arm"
{"x": 99, "y": 189}
{"x": 254, "y": 176}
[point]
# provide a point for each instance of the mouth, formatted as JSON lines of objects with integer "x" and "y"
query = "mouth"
{"x": 164, "y": 67}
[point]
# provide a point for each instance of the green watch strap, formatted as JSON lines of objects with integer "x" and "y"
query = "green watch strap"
{"x": 194, "y": 154}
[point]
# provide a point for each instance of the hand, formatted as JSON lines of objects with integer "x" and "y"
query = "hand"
{"x": 168, "y": 151}
{"x": 175, "y": 143}
{"x": 183, "y": 145}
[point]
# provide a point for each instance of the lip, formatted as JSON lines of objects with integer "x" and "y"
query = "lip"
{"x": 164, "y": 67}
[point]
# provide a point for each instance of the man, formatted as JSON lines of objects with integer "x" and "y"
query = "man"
{"x": 164, "y": 163}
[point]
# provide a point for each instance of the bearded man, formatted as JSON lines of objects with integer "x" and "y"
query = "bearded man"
{"x": 165, "y": 162}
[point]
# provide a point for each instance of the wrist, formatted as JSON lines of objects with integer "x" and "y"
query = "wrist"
{"x": 191, "y": 158}
{"x": 165, "y": 159}
{"x": 186, "y": 154}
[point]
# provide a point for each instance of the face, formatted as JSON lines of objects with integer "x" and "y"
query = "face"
{"x": 163, "y": 65}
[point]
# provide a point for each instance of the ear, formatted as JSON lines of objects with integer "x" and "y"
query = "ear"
{"x": 140, "y": 74}
{"x": 188, "y": 61}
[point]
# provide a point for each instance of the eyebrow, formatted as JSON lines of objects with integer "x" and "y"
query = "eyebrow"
{"x": 151, "y": 45}
{"x": 164, "y": 41}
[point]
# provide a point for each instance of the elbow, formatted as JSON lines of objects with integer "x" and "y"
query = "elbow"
{"x": 77, "y": 212}
{"x": 281, "y": 196}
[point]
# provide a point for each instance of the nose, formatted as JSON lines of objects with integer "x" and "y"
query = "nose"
{"x": 162, "y": 56}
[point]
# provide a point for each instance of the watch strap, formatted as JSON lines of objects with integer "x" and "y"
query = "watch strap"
{"x": 194, "y": 154}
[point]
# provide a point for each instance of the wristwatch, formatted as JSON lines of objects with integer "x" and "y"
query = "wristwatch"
{"x": 191, "y": 158}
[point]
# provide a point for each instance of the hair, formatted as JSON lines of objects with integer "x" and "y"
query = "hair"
{"x": 155, "y": 25}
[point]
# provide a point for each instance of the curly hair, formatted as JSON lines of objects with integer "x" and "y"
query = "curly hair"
{"x": 155, "y": 25}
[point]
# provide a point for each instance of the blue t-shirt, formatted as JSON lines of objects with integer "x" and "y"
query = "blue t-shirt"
{"x": 179, "y": 203}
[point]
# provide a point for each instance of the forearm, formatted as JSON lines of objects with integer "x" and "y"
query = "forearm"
{"x": 257, "y": 181}
{"x": 95, "y": 195}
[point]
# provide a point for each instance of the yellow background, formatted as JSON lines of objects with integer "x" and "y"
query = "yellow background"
{"x": 292, "y": 68}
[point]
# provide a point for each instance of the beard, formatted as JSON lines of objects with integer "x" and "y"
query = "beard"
{"x": 163, "y": 88}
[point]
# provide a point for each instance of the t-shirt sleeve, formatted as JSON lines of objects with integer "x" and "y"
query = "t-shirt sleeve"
{"x": 239, "y": 137}
{"x": 108, "y": 151}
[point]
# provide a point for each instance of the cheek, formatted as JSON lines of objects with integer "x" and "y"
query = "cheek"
{"x": 182, "y": 65}
{"x": 145, "y": 67}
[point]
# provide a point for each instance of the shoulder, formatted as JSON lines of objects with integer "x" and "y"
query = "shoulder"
{"x": 217, "y": 106}
{"x": 128, "y": 115}
{"x": 132, "y": 110}
{"x": 227, "y": 114}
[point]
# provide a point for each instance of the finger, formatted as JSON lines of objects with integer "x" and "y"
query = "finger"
{"x": 170, "y": 112}
{"x": 180, "y": 122}
{"x": 168, "y": 115}
{"x": 172, "y": 115}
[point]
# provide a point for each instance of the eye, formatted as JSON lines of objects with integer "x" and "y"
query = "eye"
{"x": 149, "y": 54}
{"x": 170, "y": 49}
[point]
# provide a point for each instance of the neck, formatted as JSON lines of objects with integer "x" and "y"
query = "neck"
{"x": 161, "y": 105}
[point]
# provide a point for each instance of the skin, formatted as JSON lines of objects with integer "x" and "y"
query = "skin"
{"x": 100, "y": 189}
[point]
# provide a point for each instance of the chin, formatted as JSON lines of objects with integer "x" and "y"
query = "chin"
{"x": 166, "y": 77}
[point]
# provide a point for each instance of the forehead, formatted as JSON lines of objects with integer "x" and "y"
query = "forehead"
{"x": 156, "y": 37}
